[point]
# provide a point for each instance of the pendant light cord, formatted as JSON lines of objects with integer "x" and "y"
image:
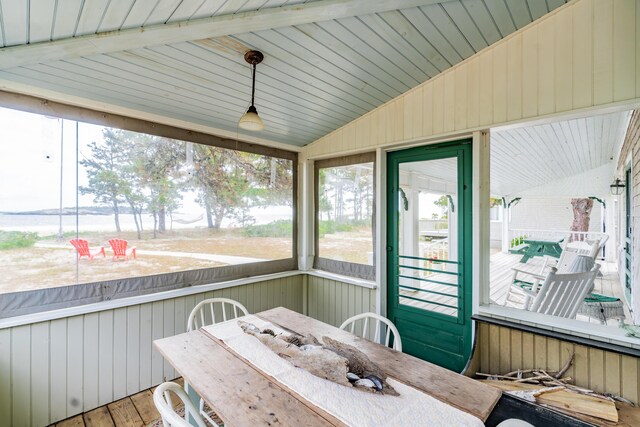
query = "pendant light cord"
{"x": 253, "y": 85}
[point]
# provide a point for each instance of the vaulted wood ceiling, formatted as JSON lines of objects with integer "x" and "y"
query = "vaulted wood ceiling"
{"x": 326, "y": 63}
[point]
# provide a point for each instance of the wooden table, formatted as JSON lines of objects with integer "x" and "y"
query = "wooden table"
{"x": 540, "y": 247}
{"x": 242, "y": 395}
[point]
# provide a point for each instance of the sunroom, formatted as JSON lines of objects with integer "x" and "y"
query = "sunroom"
{"x": 468, "y": 170}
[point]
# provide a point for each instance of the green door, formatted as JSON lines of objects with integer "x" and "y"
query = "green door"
{"x": 429, "y": 251}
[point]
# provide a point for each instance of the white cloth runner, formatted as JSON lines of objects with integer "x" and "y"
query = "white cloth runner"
{"x": 355, "y": 408}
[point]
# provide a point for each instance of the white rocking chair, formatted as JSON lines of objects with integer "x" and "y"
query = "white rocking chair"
{"x": 518, "y": 295}
{"x": 563, "y": 294}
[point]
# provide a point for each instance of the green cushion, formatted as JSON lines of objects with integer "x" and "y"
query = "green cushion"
{"x": 600, "y": 298}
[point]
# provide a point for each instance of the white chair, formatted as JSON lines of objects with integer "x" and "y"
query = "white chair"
{"x": 164, "y": 404}
{"x": 563, "y": 294}
{"x": 518, "y": 295}
{"x": 381, "y": 322}
{"x": 204, "y": 313}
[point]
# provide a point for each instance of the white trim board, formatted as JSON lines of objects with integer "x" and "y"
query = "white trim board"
{"x": 578, "y": 328}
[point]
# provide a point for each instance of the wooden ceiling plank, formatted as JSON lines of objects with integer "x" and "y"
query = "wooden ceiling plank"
{"x": 185, "y": 10}
{"x": 90, "y": 17}
{"x": 431, "y": 33}
{"x": 330, "y": 41}
{"x": 209, "y": 8}
{"x": 115, "y": 15}
{"x": 520, "y": 12}
{"x": 478, "y": 11}
{"x": 216, "y": 26}
{"x": 449, "y": 29}
{"x": 402, "y": 44}
{"x": 389, "y": 58}
{"x": 41, "y": 17}
{"x": 416, "y": 39}
{"x": 501, "y": 16}
{"x": 162, "y": 12}
{"x": 466, "y": 25}
{"x": 14, "y": 17}
{"x": 537, "y": 8}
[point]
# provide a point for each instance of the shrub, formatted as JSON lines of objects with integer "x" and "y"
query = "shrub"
{"x": 517, "y": 241}
{"x": 280, "y": 228}
{"x": 17, "y": 239}
{"x": 330, "y": 227}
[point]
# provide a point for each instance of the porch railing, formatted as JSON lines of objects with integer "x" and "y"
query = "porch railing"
{"x": 434, "y": 251}
{"x": 517, "y": 236}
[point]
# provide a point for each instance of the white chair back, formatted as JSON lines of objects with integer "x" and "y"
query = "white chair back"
{"x": 563, "y": 294}
{"x": 214, "y": 310}
{"x": 164, "y": 404}
{"x": 574, "y": 249}
{"x": 382, "y": 326}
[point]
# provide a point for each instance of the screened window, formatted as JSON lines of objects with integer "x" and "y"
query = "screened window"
{"x": 559, "y": 253}
{"x": 345, "y": 204}
{"x": 132, "y": 213}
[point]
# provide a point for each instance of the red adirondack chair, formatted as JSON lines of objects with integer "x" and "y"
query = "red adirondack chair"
{"x": 119, "y": 247}
{"x": 82, "y": 246}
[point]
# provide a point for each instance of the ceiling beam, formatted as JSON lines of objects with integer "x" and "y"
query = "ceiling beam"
{"x": 198, "y": 29}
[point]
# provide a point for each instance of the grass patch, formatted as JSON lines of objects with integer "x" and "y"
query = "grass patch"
{"x": 17, "y": 239}
{"x": 280, "y": 228}
{"x": 330, "y": 227}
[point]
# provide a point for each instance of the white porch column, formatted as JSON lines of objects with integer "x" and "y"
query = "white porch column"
{"x": 452, "y": 234}
{"x": 505, "y": 227}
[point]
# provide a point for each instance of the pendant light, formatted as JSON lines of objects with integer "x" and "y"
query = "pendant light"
{"x": 250, "y": 120}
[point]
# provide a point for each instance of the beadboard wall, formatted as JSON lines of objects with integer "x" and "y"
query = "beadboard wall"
{"x": 584, "y": 54}
{"x": 501, "y": 349}
{"x": 52, "y": 370}
{"x": 55, "y": 369}
{"x": 333, "y": 302}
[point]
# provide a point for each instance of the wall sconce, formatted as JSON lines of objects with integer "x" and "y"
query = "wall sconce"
{"x": 617, "y": 187}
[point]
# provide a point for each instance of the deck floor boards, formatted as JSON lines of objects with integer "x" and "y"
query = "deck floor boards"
{"x": 137, "y": 410}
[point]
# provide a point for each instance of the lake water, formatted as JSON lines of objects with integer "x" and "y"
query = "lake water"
{"x": 48, "y": 224}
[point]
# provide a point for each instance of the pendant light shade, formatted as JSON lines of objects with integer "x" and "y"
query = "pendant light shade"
{"x": 250, "y": 120}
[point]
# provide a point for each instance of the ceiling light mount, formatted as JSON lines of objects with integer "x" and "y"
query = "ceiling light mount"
{"x": 250, "y": 120}
{"x": 253, "y": 57}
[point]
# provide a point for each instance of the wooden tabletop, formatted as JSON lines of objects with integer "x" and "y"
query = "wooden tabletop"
{"x": 243, "y": 395}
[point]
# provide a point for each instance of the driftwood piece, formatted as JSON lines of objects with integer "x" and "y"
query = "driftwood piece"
{"x": 331, "y": 360}
{"x": 359, "y": 363}
{"x": 318, "y": 361}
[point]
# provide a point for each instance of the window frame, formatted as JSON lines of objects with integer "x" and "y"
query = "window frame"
{"x": 351, "y": 269}
{"x": 28, "y": 302}
{"x": 483, "y": 306}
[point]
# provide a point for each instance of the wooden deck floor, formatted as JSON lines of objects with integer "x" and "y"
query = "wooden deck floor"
{"x": 133, "y": 411}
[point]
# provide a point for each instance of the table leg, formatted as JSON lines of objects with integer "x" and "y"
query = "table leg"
{"x": 195, "y": 399}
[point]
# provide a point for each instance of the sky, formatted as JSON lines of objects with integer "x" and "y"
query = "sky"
{"x": 30, "y": 158}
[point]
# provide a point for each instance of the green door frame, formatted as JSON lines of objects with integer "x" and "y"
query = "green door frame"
{"x": 442, "y": 339}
